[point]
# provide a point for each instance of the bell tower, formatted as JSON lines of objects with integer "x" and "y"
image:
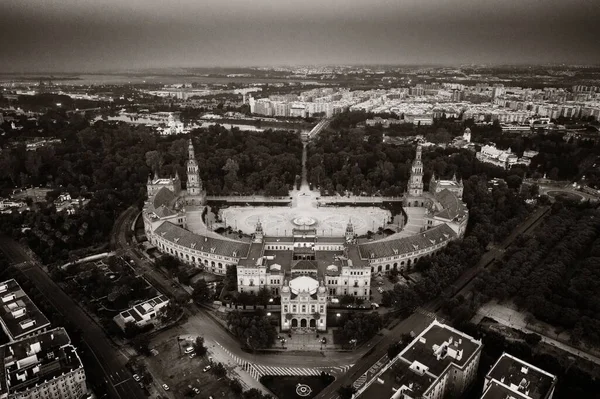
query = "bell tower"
{"x": 415, "y": 184}
{"x": 194, "y": 184}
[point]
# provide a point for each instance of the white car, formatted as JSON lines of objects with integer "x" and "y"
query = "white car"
{"x": 136, "y": 377}
{"x": 205, "y": 369}
{"x": 189, "y": 350}
{"x": 165, "y": 387}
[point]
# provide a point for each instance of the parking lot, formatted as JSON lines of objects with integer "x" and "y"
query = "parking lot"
{"x": 182, "y": 373}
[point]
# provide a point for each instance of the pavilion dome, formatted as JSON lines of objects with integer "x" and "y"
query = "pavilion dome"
{"x": 304, "y": 284}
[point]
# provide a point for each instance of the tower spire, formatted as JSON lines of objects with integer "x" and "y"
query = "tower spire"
{"x": 191, "y": 154}
{"x": 415, "y": 185}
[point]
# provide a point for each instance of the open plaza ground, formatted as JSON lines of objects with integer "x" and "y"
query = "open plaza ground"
{"x": 329, "y": 221}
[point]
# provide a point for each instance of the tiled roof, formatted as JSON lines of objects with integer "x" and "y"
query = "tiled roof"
{"x": 183, "y": 237}
{"x": 304, "y": 265}
{"x": 163, "y": 212}
{"x": 385, "y": 248}
{"x": 452, "y": 205}
{"x": 164, "y": 196}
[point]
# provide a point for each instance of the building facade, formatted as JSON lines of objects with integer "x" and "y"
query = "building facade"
{"x": 305, "y": 268}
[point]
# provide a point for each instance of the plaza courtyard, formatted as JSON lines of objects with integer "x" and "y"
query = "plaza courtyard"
{"x": 305, "y": 213}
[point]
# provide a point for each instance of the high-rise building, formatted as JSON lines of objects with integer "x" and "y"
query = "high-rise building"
{"x": 43, "y": 366}
{"x": 440, "y": 362}
{"x": 19, "y": 316}
{"x": 512, "y": 377}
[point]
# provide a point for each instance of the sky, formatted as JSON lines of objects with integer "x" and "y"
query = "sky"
{"x": 100, "y": 35}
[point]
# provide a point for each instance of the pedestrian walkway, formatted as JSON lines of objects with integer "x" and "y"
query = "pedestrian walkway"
{"x": 370, "y": 372}
{"x": 257, "y": 371}
{"x": 431, "y": 314}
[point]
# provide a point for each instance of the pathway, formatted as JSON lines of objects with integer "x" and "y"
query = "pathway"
{"x": 517, "y": 321}
{"x": 257, "y": 371}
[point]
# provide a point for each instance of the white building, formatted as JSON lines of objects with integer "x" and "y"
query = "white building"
{"x": 440, "y": 362}
{"x": 511, "y": 377}
{"x": 504, "y": 159}
{"x": 44, "y": 366}
{"x": 143, "y": 313}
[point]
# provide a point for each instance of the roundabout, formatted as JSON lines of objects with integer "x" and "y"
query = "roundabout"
{"x": 303, "y": 390}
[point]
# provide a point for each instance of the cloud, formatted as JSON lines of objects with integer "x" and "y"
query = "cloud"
{"x": 70, "y": 35}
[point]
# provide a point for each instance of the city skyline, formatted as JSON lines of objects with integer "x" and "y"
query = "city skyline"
{"x": 69, "y": 35}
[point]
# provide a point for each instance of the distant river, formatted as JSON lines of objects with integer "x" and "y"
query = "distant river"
{"x": 109, "y": 79}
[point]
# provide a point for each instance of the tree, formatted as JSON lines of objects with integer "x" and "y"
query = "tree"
{"x": 219, "y": 370}
{"x": 533, "y": 339}
{"x": 231, "y": 278}
{"x": 346, "y": 391}
{"x": 199, "y": 347}
{"x": 183, "y": 277}
{"x": 394, "y": 349}
{"x": 141, "y": 343}
{"x": 236, "y": 387}
{"x": 253, "y": 330}
{"x": 202, "y": 292}
{"x": 169, "y": 263}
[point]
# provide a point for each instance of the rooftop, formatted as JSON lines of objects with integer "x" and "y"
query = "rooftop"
{"x": 304, "y": 284}
{"x": 218, "y": 246}
{"x": 452, "y": 206}
{"x": 398, "y": 376}
{"x": 36, "y": 359}
{"x": 440, "y": 345}
{"x": 402, "y": 244}
{"x": 18, "y": 314}
{"x": 497, "y": 390}
{"x": 522, "y": 377}
{"x": 422, "y": 362}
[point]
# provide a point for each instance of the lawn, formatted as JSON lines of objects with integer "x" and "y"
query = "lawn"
{"x": 286, "y": 387}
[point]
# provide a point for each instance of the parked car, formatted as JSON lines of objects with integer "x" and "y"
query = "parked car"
{"x": 136, "y": 377}
{"x": 192, "y": 355}
{"x": 165, "y": 387}
{"x": 189, "y": 349}
{"x": 205, "y": 369}
{"x": 196, "y": 390}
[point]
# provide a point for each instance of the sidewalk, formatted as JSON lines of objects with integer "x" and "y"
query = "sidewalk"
{"x": 307, "y": 341}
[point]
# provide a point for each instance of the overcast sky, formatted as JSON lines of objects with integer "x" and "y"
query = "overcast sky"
{"x": 91, "y": 35}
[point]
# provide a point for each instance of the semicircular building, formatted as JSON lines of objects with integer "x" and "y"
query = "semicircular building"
{"x": 306, "y": 269}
